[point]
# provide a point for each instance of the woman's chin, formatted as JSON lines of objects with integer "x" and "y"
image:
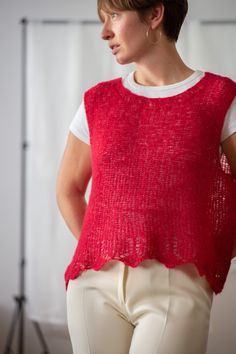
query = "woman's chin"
{"x": 122, "y": 60}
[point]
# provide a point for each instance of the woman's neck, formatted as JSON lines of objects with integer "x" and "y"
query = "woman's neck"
{"x": 161, "y": 66}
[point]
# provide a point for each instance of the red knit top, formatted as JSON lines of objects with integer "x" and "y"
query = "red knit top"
{"x": 160, "y": 190}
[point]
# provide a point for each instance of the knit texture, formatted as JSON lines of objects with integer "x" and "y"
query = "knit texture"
{"x": 160, "y": 190}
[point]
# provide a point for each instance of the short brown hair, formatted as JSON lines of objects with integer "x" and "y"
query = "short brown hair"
{"x": 174, "y": 13}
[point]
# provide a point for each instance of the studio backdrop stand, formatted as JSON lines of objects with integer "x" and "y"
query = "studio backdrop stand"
{"x": 20, "y": 300}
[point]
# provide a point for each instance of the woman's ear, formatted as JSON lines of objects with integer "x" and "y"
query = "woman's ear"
{"x": 156, "y": 16}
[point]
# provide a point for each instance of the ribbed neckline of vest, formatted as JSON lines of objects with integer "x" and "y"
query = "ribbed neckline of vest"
{"x": 125, "y": 92}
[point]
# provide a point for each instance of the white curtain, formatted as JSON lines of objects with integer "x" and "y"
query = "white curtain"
{"x": 62, "y": 62}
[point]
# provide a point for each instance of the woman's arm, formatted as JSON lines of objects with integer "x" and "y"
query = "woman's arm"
{"x": 72, "y": 180}
{"x": 229, "y": 149}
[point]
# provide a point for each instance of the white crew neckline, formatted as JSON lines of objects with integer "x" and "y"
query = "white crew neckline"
{"x": 164, "y": 90}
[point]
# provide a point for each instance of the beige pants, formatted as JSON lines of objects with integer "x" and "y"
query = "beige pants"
{"x": 150, "y": 309}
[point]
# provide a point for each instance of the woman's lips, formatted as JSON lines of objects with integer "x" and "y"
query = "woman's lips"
{"x": 115, "y": 49}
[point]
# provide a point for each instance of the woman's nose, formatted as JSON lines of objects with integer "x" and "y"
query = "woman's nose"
{"x": 106, "y": 33}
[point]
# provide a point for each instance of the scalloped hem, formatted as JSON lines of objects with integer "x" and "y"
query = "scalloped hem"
{"x": 69, "y": 275}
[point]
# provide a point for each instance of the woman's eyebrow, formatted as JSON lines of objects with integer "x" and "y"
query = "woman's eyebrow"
{"x": 102, "y": 15}
{"x": 106, "y": 12}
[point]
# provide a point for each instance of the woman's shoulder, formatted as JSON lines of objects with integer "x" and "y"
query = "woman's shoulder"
{"x": 221, "y": 77}
{"x": 221, "y": 84}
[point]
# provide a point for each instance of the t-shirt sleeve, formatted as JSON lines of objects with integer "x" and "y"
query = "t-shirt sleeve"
{"x": 79, "y": 125}
{"x": 229, "y": 126}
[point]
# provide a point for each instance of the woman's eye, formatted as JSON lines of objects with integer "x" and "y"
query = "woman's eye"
{"x": 113, "y": 14}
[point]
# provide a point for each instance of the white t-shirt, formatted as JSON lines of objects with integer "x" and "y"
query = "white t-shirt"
{"x": 79, "y": 124}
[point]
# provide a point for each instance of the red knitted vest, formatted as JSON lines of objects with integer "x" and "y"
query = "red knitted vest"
{"x": 160, "y": 189}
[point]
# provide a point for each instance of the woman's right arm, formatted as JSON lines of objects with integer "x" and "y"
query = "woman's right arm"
{"x": 73, "y": 177}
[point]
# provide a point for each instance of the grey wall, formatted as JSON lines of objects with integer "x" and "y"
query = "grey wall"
{"x": 11, "y": 11}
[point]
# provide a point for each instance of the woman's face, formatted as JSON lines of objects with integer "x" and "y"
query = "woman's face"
{"x": 125, "y": 30}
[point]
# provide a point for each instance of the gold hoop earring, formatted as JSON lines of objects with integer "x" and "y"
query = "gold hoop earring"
{"x": 147, "y": 35}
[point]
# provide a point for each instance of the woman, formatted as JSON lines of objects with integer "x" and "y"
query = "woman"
{"x": 157, "y": 236}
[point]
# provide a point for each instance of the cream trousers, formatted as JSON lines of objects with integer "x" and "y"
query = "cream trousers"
{"x": 150, "y": 309}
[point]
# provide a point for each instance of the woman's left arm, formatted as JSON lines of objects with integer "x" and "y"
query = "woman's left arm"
{"x": 229, "y": 149}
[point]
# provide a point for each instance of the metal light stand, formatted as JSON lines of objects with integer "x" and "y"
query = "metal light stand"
{"x": 19, "y": 313}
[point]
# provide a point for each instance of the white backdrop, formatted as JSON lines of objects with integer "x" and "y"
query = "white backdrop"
{"x": 62, "y": 62}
